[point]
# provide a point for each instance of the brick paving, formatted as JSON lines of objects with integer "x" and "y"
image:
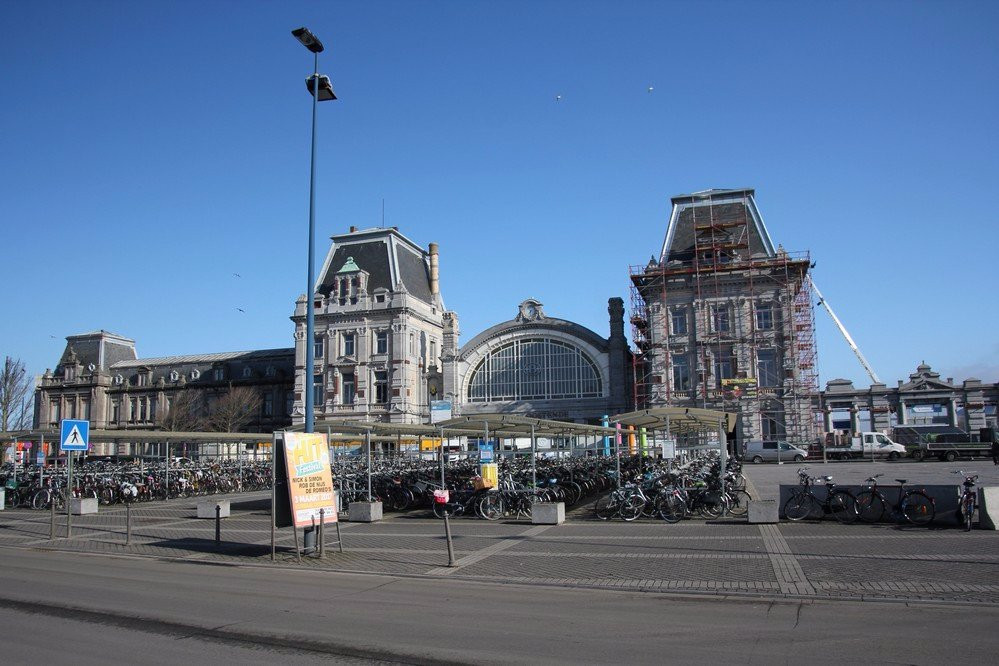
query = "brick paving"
{"x": 821, "y": 560}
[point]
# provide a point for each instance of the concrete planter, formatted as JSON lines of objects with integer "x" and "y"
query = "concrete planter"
{"x": 83, "y": 506}
{"x": 548, "y": 513}
{"x": 763, "y": 511}
{"x": 3, "y": 498}
{"x": 206, "y": 508}
{"x": 364, "y": 512}
{"x": 988, "y": 507}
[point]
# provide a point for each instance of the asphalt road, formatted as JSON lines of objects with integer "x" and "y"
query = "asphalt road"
{"x": 59, "y": 607}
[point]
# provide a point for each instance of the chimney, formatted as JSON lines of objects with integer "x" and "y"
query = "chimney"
{"x": 434, "y": 272}
{"x": 353, "y": 229}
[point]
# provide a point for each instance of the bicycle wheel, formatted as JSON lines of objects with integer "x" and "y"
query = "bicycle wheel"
{"x": 917, "y": 508}
{"x": 843, "y": 507}
{"x": 711, "y": 505}
{"x": 632, "y": 508}
{"x": 870, "y": 506}
{"x": 40, "y": 499}
{"x": 491, "y": 506}
{"x": 441, "y": 510}
{"x": 606, "y": 507}
{"x": 799, "y": 506}
{"x": 738, "y": 503}
{"x": 671, "y": 508}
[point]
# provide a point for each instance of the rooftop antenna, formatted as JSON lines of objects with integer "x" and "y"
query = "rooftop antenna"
{"x": 383, "y": 212}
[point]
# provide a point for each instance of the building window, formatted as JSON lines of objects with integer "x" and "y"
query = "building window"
{"x": 195, "y": 374}
{"x": 348, "y": 344}
{"x": 140, "y": 380}
{"x": 766, "y": 367}
{"x": 381, "y": 342}
{"x": 133, "y": 409}
{"x": 174, "y": 376}
{"x": 433, "y": 352}
{"x": 317, "y": 347}
{"x": 679, "y": 321}
{"x": 289, "y": 402}
{"x": 349, "y": 386}
{"x": 719, "y": 319}
{"x": 86, "y": 409}
{"x": 412, "y": 344}
{"x": 381, "y": 387}
{"x": 772, "y": 422}
{"x": 724, "y": 368}
{"x": 269, "y": 404}
{"x": 534, "y": 369}
{"x": 379, "y": 298}
{"x": 764, "y": 316}
{"x": 219, "y": 374}
{"x": 71, "y": 408}
{"x": 317, "y": 390}
{"x": 115, "y": 411}
{"x": 54, "y": 411}
{"x": 247, "y": 372}
{"x": 69, "y": 373}
{"x": 681, "y": 373}
{"x": 142, "y": 409}
{"x": 152, "y": 409}
{"x": 271, "y": 371}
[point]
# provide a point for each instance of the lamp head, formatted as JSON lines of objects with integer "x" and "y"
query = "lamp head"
{"x": 308, "y": 40}
{"x": 326, "y": 93}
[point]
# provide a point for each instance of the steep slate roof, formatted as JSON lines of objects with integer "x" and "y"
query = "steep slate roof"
{"x": 387, "y": 256}
{"x": 100, "y": 348}
{"x": 719, "y": 207}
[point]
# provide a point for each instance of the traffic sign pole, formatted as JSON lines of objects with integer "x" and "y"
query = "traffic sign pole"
{"x": 69, "y": 493}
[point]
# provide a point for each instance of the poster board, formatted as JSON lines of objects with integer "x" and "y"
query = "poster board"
{"x": 302, "y": 465}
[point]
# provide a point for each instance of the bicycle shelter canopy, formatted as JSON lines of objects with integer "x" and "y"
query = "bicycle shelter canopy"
{"x": 678, "y": 420}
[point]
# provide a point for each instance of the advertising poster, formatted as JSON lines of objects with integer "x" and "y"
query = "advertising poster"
{"x": 310, "y": 482}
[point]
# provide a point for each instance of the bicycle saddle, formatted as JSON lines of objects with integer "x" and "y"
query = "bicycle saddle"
{"x": 902, "y": 481}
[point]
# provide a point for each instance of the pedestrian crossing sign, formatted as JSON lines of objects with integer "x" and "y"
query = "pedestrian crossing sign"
{"x": 75, "y": 435}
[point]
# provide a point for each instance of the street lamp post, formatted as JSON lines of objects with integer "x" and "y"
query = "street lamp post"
{"x": 322, "y": 91}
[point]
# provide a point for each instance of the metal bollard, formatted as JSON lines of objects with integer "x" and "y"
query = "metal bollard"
{"x": 128, "y": 523}
{"x": 218, "y": 525}
{"x": 52, "y": 521}
{"x": 450, "y": 545}
{"x": 322, "y": 522}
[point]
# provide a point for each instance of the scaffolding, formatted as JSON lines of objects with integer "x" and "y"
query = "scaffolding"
{"x": 727, "y": 322}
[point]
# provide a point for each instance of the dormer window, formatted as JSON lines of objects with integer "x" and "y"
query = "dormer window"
{"x": 195, "y": 374}
{"x": 271, "y": 371}
{"x": 219, "y": 374}
{"x": 174, "y": 376}
{"x": 69, "y": 373}
{"x": 119, "y": 380}
{"x": 247, "y": 372}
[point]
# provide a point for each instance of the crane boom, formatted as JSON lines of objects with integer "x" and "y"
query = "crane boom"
{"x": 842, "y": 329}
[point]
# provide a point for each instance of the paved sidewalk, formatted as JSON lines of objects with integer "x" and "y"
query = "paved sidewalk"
{"x": 795, "y": 561}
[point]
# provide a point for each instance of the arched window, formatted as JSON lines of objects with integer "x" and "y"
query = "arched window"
{"x": 534, "y": 369}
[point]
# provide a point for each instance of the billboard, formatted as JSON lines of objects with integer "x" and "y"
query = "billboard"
{"x": 739, "y": 387}
{"x": 310, "y": 481}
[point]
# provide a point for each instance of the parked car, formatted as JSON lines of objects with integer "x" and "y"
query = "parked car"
{"x": 758, "y": 452}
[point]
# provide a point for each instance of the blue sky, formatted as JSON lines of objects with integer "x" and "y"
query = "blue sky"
{"x": 153, "y": 150}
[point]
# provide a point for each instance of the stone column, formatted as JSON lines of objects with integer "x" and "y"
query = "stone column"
{"x": 827, "y": 419}
{"x": 902, "y": 418}
{"x": 854, "y": 422}
{"x": 952, "y": 412}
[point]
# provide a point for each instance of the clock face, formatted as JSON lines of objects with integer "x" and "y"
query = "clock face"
{"x": 530, "y": 311}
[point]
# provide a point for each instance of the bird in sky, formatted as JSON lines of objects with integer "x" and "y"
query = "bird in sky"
{"x": 241, "y": 310}
{"x": 558, "y": 98}
{"x": 237, "y": 275}
{"x": 651, "y": 89}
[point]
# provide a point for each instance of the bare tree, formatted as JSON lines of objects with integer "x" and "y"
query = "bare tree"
{"x": 185, "y": 413}
{"x": 16, "y": 398}
{"x": 232, "y": 411}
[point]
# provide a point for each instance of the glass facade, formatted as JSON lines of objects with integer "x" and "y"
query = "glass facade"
{"x": 534, "y": 369}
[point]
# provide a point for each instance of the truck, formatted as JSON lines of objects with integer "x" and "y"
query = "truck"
{"x": 950, "y": 446}
{"x": 862, "y": 445}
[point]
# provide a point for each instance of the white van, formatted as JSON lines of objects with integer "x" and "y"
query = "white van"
{"x": 758, "y": 452}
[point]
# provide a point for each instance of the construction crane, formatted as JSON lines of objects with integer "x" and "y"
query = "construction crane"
{"x": 842, "y": 329}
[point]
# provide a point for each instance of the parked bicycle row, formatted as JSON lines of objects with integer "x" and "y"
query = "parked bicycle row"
{"x": 114, "y": 483}
{"x": 913, "y": 506}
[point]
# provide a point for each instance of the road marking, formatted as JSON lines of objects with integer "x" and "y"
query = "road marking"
{"x": 789, "y": 575}
{"x": 482, "y": 554}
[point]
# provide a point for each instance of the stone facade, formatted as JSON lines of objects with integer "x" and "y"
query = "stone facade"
{"x": 970, "y": 405}
{"x": 723, "y": 320}
{"x": 100, "y": 378}
{"x": 539, "y": 366}
{"x": 378, "y": 330}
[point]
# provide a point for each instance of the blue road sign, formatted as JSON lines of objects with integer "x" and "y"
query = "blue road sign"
{"x": 75, "y": 435}
{"x": 485, "y": 452}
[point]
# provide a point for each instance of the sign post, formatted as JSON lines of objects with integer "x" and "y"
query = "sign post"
{"x": 74, "y": 436}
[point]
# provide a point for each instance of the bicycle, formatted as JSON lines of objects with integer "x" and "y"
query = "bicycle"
{"x": 802, "y": 503}
{"x": 626, "y": 502}
{"x": 969, "y": 498}
{"x": 914, "y": 506}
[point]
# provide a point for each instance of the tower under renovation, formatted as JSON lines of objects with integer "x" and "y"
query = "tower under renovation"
{"x": 724, "y": 320}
